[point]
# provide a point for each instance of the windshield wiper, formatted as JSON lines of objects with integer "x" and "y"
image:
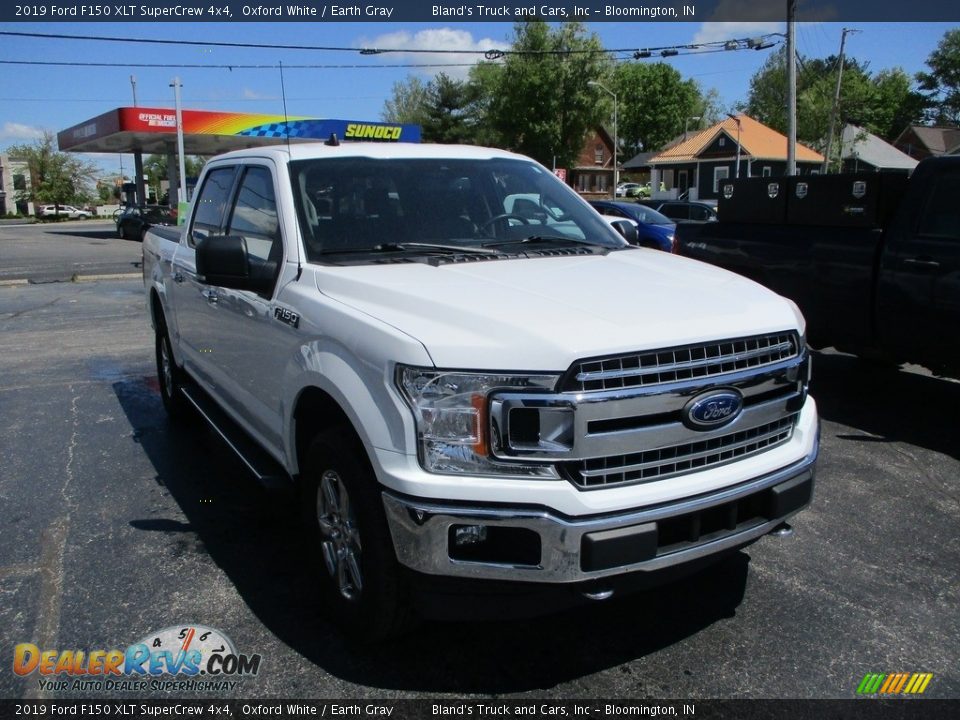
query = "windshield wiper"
{"x": 412, "y": 246}
{"x": 433, "y": 247}
{"x": 533, "y": 239}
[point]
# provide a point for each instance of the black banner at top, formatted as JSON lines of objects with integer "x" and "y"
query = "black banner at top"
{"x": 483, "y": 709}
{"x": 467, "y": 11}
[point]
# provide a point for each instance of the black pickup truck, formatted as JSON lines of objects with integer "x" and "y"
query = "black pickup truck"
{"x": 873, "y": 261}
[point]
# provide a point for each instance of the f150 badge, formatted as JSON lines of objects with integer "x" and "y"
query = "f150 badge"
{"x": 712, "y": 409}
{"x": 287, "y": 316}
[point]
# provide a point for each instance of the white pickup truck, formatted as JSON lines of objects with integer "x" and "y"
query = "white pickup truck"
{"x": 471, "y": 377}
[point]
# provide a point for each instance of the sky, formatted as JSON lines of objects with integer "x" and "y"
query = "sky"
{"x": 36, "y": 98}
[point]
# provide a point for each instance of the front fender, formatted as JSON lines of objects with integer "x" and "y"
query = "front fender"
{"x": 364, "y": 392}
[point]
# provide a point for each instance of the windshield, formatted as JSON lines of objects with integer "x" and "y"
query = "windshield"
{"x": 354, "y": 206}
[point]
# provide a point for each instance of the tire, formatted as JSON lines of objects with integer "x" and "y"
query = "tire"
{"x": 348, "y": 541}
{"x": 169, "y": 376}
{"x": 121, "y": 233}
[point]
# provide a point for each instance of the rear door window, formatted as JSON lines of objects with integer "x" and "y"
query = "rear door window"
{"x": 699, "y": 213}
{"x": 210, "y": 202}
{"x": 941, "y": 215}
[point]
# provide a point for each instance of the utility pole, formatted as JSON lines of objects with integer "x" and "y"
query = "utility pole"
{"x": 836, "y": 101}
{"x": 791, "y": 88}
{"x": 182, "y": 194}
{"x": 736, "y": 169}
{"x": 138, "y": 155}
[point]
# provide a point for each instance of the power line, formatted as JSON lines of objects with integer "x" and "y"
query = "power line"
{"x": 756, "y": 43}
{"x": 673, "y": 52}
{"x": 233, "y": 66}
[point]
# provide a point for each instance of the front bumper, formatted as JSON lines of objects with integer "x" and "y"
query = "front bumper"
{"x": 537, "y": 545}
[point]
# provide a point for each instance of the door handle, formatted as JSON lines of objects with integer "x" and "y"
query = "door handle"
{"x": 178, "y": 277}
{"x": 211, "y": 296}
{"x": 921, "y": 262}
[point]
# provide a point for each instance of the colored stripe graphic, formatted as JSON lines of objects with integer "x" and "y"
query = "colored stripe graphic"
{"x": 894, "y": 683}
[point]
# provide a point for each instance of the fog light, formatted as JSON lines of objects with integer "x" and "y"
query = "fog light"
{"x": 466, "y": 535}
{"x": 494, "y": 545}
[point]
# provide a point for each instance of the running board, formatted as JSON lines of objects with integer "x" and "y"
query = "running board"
{"x": 265, "y": 469}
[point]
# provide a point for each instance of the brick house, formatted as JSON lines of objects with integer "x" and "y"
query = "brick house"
{"x": 592, "y": 173}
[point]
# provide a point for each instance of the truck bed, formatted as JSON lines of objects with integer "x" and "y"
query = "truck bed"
{"x": 828, "y": 271}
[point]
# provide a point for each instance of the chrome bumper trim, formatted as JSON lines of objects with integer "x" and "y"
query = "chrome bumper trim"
{"x": 420, "y": 531}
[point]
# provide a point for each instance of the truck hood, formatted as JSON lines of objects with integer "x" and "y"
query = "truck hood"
{"x": 544, "y": 313}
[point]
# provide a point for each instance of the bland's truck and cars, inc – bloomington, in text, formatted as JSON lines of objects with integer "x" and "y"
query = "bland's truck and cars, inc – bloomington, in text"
{"x": 472, "y": 380}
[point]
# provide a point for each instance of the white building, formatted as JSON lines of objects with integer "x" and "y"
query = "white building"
{"x": 14, "y": 177}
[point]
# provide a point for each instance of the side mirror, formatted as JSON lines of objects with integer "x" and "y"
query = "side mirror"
{"x": 628, "y": 230}
{"x": 222, "y": 260}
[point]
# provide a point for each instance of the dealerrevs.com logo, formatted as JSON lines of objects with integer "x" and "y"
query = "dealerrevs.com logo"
{"x": 178, "y": 658}
{"x": 894, "y": 683}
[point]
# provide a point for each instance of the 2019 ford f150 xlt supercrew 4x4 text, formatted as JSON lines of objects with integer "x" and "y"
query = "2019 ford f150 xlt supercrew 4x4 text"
{"x": 470, "y": 375}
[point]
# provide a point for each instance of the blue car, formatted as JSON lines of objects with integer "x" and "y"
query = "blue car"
{"x": 653, "y": 229}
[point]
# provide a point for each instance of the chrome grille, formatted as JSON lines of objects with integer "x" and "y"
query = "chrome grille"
{"x": 657, "y": 367}
{"x": 666, "y": 462}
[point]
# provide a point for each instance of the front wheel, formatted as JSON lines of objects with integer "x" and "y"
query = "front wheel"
{"x": 348, "y": 540}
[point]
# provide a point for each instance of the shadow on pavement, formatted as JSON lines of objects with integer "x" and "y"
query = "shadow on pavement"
{"x": 251, "y": 535}
{"x": 105, "y": 234}
{"x": 888, "y": 403}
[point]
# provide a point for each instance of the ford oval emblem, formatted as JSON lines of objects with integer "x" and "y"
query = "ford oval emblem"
{"x": 712, "y": 409}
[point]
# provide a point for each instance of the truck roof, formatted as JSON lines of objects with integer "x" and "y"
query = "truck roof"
{"x": 376, "y": 150}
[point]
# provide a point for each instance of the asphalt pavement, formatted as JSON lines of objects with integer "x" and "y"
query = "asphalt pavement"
{"x": 63, "y": 251}
{"x": 116, "y": 524}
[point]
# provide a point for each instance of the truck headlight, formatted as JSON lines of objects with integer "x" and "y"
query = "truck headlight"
{"x": 451, "y": 410}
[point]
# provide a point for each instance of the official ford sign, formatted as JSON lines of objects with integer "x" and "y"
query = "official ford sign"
{"x": 712, "y": 409}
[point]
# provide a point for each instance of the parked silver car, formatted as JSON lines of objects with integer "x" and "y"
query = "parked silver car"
{"x": 67, "y": 211}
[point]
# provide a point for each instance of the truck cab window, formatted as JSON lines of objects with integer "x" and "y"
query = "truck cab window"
{"x": 208, "y": 217}
{"x": 941, "y": 216}
{"x": 254, "y": 218}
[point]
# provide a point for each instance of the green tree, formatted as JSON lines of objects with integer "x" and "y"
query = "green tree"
{"x": 447, "y": 110}
{"x": 942, "y": 83}
{"x": 155, "y": 168}
{"x": 654, "y": 103}
{"x": 894, "y": 104}
{"x": 542, "y": 104}
{"x": 882, "y": 103}
{"x": 56, "y": 178}
{"x": 407, "y": 102}
{"x": 484, "y": 81}
{"x": 449, "y": 117}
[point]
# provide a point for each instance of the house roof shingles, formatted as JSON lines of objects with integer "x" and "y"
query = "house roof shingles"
{"x": 937, "y": 139}
{"x": 858, "y": 143}
{"x": 757, "y": 142}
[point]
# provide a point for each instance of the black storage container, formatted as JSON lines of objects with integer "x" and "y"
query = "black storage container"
{"x": 753, "y": 200}
{"x": 849, "y": 200}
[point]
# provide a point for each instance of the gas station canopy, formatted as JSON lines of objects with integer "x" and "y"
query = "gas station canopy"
{"x": 154, "y": 130}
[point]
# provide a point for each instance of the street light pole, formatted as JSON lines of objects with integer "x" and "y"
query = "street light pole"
{"x": 791, "y": 88}
{"x": 616, "y": 139}
{"x": 736, "y": 169}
